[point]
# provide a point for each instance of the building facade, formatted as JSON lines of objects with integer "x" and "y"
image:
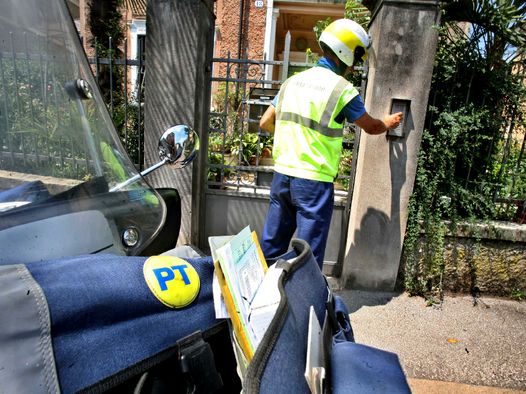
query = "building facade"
{"x": 256, "y": 29}
{"x": 245, "y": 29}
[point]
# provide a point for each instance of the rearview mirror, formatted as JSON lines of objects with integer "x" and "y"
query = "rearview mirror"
{"x": 178, "y": 146}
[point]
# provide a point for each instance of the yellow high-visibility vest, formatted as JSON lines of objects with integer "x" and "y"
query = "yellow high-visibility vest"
{"x": 307, "y": 139}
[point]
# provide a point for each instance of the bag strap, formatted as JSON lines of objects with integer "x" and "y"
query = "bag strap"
{"x": 197, "y": 363}
{"x": 190, "y": 362}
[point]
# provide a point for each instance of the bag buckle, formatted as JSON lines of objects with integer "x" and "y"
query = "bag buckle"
{"x": 197, "y": 362}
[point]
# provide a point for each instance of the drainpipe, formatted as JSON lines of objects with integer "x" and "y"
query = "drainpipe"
{"x": 240, "y": 33}
{"x": 240, "y": 41}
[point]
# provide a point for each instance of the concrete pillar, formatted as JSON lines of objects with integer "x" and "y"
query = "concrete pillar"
{"x": 400, "y": 67}
{"x": 179, "y": 45}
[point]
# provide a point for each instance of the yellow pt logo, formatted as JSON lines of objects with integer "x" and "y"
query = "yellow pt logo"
{"x": 172, "y": 280}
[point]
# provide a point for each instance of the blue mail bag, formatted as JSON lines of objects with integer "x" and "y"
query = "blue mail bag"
{"x": 278, "y": 365}
{"x": 91, "y": 323}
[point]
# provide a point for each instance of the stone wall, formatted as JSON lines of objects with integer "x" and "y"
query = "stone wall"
{"x": 485, "y": 258}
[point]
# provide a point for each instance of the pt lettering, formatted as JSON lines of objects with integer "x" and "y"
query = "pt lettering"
{"x": 166, "y": 274}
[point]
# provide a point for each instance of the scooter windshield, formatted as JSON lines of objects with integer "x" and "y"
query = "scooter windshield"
{"x": 60, "y": 154}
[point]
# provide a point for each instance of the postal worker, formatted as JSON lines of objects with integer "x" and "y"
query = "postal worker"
{"x": 307, "y": 118}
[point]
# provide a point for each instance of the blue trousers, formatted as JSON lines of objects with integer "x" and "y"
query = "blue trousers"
{"x": 298, "y": 204}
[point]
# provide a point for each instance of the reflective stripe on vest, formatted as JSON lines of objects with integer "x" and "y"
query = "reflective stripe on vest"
{"x": 323, "y": 125}
{"x": 308, "y": 139}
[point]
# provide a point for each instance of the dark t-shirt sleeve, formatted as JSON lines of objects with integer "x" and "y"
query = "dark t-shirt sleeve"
{"x": 352, "y": 111}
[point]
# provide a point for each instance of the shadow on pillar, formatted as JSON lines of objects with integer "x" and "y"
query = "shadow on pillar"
{"x": 383, "y": 260}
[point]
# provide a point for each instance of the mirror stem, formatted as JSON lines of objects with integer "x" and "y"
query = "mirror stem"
{"x": 138, "y": 176}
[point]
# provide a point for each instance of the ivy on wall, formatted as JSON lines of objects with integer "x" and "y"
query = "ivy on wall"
{"x": 476, "y": 95}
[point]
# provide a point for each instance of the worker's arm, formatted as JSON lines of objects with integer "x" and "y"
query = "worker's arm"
{"x": 377, "y": 126}
{"x": 268, "y": 119}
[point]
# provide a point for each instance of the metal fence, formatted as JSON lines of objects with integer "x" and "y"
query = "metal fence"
{"x": 34, "y": 109}
{"x": 493, "y": 169}
{"x": 510, "y": 189}
{"x": 239, "y": 152}
{"x": 122, "y": 79}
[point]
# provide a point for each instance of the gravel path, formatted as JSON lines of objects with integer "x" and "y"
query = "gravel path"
{"x": 482, "y": 344}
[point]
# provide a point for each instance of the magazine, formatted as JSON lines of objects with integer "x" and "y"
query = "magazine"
{"x": 247, "y": 289}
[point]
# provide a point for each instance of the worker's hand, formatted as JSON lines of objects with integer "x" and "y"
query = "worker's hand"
{"x": 393, "y": 120}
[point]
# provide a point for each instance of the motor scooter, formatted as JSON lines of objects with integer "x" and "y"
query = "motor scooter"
{"x": 67, "y": 186}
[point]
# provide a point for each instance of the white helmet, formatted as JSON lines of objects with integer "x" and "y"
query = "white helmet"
{"x": 344, "y": 37}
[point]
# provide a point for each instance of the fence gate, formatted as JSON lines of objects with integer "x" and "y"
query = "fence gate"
{"x": 240, "y": 167}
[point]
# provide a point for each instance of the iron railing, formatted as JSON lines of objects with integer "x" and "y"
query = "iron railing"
{"x": 239, "y": 152}
{"x": 124, "y": 85}
{"x": 502, "y": 183}
{"x": 33, "y": 108}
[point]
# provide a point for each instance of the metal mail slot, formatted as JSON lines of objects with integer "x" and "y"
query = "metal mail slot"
{"x": 399, "y": 105}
